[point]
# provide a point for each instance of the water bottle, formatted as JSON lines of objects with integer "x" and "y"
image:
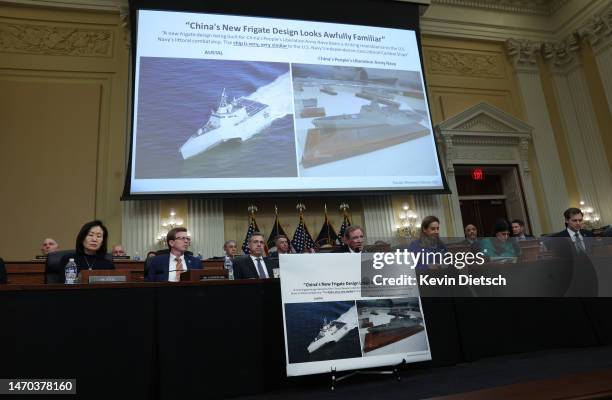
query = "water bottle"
{"x": 136, "y": 256}
{"x": 71, "y": 272}
{"x": 229, "y": 266}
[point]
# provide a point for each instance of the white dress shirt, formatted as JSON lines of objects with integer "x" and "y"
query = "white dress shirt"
{"x": 263, "y": 264}
{"x": 172, "y": 267}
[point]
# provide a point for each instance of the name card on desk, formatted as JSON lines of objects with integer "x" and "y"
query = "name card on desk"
{"x": 105, "y": 276}
{"x": 194, "y": 275}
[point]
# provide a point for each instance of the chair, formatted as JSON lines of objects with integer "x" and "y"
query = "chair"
{"x": 54, "y": 271}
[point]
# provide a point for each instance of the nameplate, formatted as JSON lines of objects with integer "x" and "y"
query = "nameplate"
{"x": 212, "y": 277}
{"x": 107, "y": 279}
{"x": 121, "y": 257}
{"x": 39, "y": 257}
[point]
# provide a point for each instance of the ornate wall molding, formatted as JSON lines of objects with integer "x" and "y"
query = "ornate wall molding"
{"x": 518, "y": 6}
{"x": 523, "y": 54}
{"x": 562, "y": 56}
{"x": 464, "y": 64}
{"x": 598, "y": 30}
{"x": 480, "y": 155}
{"x": 55, "y": 40}
{"x": 484, "y": 123}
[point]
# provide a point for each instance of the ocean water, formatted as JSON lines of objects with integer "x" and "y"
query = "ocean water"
{"x": 176, "y": 98}
{"x": 304, "y": 321}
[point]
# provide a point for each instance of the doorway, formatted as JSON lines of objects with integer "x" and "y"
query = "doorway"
{"x": 489, "y": 193}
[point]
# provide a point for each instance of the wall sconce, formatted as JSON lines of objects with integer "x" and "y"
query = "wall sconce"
{"x": 166, "y": 224}
{"x": 406, "y": 228}
{"x": 590, "y": 219}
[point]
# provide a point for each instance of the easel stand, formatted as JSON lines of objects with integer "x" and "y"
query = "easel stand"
{"x": 395, "y": 371}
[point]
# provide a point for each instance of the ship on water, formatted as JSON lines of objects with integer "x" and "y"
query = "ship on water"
{"x": 238, "y": 119}
{"x": 335, "y": 330}
{"x": 370, "y": 115}
{"x": 347, "y": 135}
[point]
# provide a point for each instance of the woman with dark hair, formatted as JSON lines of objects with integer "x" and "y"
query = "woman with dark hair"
{"x": 500, "y": 247}
{"x": 429, "y": 243}
{"x": 91, "y": 247}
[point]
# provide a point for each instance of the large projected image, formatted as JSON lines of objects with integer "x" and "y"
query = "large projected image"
{"x": 229, "y": 104}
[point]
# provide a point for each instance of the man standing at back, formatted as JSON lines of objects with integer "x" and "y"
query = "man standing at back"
{"x": 169, "y": 267}
{"x": 255, "y": 265}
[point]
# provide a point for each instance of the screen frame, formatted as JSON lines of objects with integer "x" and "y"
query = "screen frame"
{"x": 395, "y": 14}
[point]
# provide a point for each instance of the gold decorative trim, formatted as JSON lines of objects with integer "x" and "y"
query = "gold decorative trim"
{"x": 464, "y": 64}
{"x": 55, "y": 40}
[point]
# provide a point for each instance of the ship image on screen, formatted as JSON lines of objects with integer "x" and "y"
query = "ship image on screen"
{"x": 345, "y": 112}
{"x": 230, "y": 111}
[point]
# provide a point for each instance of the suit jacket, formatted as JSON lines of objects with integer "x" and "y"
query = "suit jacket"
{"x": 342, "y": 249}
{"x": 244, "y": 267}
{"x": 159, "y": 267}
{"x": 584, "y": 281}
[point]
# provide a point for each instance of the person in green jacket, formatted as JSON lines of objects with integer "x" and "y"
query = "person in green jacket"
{"x": 500, "y": 246}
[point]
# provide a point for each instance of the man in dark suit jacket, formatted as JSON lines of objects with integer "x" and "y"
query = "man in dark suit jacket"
{"x": 169, "y": 267}
{"x": 518, "y": 230}
{"x": 574, "y": 249}
{"x": 255, "y": 265}
{"x": 353, "y": 240}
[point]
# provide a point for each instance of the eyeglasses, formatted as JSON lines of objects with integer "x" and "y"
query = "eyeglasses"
{"x": 185, "y": 238}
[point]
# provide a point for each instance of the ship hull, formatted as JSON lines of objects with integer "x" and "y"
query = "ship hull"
{"x": 377, "y": 340}
{"x": 243, "y": 131}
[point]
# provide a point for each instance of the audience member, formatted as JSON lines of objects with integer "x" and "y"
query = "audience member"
{"x": 91, "y": 248}
{"x": 229, "y": 248}
{"x": 518, "y": 230}
{"x": 118, "y": 251}
{"x": 353, "y": 240}
{"x": 429, "y": 242}
{"x": 168, "y": 267}
{"x": 499, "y": 246}
{"x": 282, "y": 246}
{"x": 48, "y": 246}
{"x": 471, "y": 234}
{"x": 255, "y": 265}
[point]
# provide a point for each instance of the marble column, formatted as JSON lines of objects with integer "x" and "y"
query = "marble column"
{"x": 580, "y": 125}
{"x": 522, "y": 54}
{"x": 598, "y": 31}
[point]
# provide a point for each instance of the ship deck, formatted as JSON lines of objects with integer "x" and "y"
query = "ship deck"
{"x": 252, "y": 107}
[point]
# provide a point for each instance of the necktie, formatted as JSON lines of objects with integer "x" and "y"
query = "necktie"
{"x": 179, "y": 268}
{"x": 260, "y": 269}
{"x": 579, "y": 243}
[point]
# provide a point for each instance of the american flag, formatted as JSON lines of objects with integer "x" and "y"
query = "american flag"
{"x": 327, "y": 236}
{"x": 345, "y": 224}
{"x": 252, "y": 228}
{"x": 301, "y": 238}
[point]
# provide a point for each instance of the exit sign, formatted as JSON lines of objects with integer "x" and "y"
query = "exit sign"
{"x": 478, "y": 174}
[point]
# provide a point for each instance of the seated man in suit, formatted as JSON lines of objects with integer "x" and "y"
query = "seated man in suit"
{"x": 229, "y": 249}
{"x": 48, "y": 246}
{"x": 118, "y": 251}
{"x": 518, "y": 230}
{"x": 255, "y": 265}
{"x": 353, "y": 240}
{"x": 471, "y": 235}
{"x": 281, "y": 242}
{"x": 169, "y": 267}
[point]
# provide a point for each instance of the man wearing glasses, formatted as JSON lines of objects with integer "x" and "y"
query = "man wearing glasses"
{"x": 169, "y": 267}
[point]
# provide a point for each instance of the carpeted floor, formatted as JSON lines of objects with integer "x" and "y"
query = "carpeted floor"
{"x": 420, "y": 383}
